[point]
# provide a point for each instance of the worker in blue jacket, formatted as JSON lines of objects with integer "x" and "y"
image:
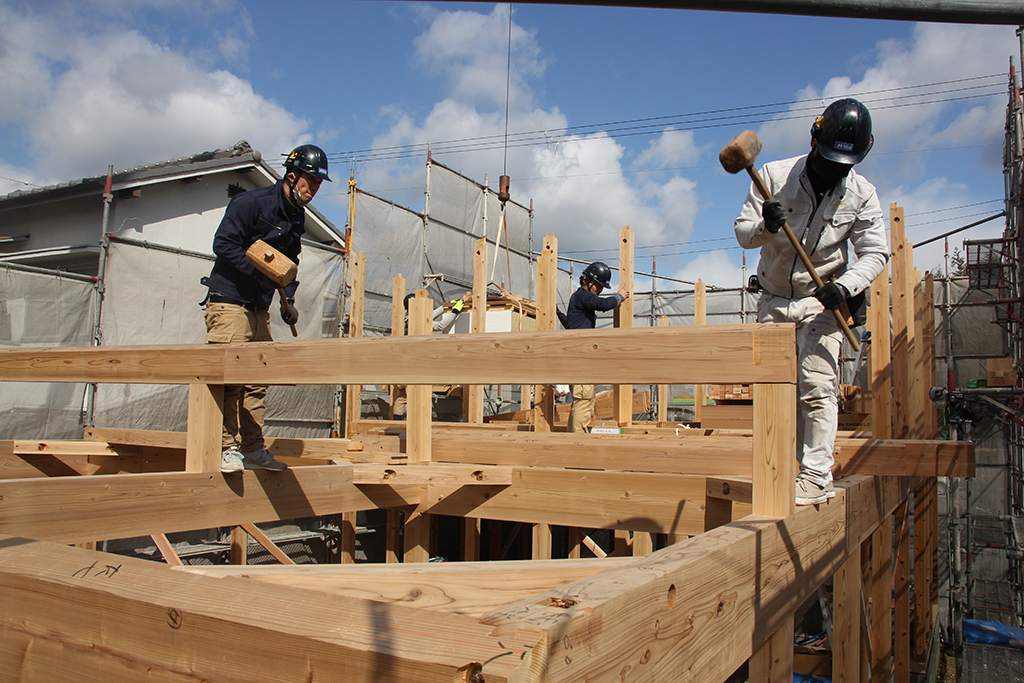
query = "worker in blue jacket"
{"x": 239, "y": 298}
{"x": 581, "y": 315}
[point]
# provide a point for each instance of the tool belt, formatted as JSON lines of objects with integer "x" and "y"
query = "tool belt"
{"x": 215, "y": 298}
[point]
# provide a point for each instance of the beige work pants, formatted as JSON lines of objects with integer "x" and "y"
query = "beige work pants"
{"x": 583, "y": 400}
{"x": 243, "y": 405}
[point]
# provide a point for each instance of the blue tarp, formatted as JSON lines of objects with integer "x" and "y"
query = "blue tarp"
{"x": 990, "y": 632}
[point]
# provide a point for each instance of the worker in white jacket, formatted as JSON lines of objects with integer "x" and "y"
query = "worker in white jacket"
{"x": 829, "y": 207}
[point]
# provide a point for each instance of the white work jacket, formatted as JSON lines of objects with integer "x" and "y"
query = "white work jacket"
{"x": 849, "y": 214}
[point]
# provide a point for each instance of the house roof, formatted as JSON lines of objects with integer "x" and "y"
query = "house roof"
{"x": 239, "y": 156}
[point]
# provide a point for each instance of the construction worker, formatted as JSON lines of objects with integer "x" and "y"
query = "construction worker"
{"x": 442, "y": 323}
{"x": 581, "y": 315}
{"x": 238, "y": 302}
{"x": 829, "y": 207}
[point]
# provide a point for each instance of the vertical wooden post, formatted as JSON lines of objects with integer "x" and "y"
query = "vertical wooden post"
{"x": 623, "y": 393}
{"x": 239, "y": 552}
{"x": 547, "y": 282}
{"x": 663, "y": 388}
{"x": 643, "y": 543}
{"x": 877, "y": 577}
{"x": 880, "y": 358}
{"x": 397, "y": 323}
{"x": 348, "y": 538}
{"x": 901, "y": 593}
{"x": 700, "y": 317}
{"x": 541, "y": 541}
{"x": 474, "y": 396}
{"x": 925, "y": 543}
{"x": 417, "y": 534}
{"x": 928, "y": 341}
{"x": 418, "y": 415}
{"x": 353, "y": 392}
{"x": 919, "y": 382}
{"x": 846, "y": 614}
{"x": 774, "y": 494}
{"x": 205, "y": 426}
{"x": 392, "y": 541}
{"x": 471, "y": 539}
{"x": 575, "y": 542}
{"x": 900, "y": 323}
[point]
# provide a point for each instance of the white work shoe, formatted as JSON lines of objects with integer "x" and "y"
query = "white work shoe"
{"x": 262, "y": 460}
{"x": 812, "y": 493}
{"x": 231, "y": 461}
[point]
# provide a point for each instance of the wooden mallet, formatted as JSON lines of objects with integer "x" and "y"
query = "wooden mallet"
{"x": 740, "y": 154}
{"x": 277, "y": 267}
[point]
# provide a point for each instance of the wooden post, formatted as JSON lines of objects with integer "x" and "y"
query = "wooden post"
{"x": 880, "y": 358}
{"x": 925, "y": 542}
{"x": 471, "y": 539}
{"x": 347, "y": 555}
{"x": 205, "y": 426}
{"x": 353, "y": 392}
{"x": 623, "y": 393}
{"x": 547, "y": 299}
{"x": 919, "y": 367}
{"x": 900, "y": 323}
{"x": 575, "y": 542}
{"x": 541, "y": 541}
{"x": 239, "y": 553}
{"x": 901, "y": 594}
{"x": 418, "y": 413}
{"x": 397, "y": 324}
{"x": 643, "y": 543}
{"x": 877, "y": 577}
{"x": 928, "y": 340}
{"x": 474, "y": 395}
{"x": 392, "y": 541}
{"x": 663, "y": 396}
{"x": 700, "y": 317}
{"x": 846, "y": 615}
{"x": 773, "y": 661}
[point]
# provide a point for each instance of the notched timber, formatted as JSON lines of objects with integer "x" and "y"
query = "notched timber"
{"x": 431, "y": 474}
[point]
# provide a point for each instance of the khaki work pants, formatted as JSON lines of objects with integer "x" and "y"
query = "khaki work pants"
{"x": 583, "y": 400}
{"x": 243, "y": 405}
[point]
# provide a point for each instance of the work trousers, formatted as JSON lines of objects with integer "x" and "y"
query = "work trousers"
{"x": 818, "y": 340}
{"x": 243, "y": 404}
{"x": 583, "y": 400}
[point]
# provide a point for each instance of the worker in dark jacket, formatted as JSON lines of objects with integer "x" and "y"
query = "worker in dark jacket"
{"x": 581, "y": 315}
{"x": 239, "y": 298}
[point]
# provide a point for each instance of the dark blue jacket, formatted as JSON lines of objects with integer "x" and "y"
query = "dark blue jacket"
{"x": 254, "y": 215}
{"x": 582, "y": 304}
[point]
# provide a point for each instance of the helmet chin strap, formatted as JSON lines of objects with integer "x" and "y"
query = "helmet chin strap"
{"x": 294, "y": 194}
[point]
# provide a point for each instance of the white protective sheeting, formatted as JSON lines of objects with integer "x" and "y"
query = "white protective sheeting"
{"x": 38, "y": 309}
{"x": 153, "y": 296}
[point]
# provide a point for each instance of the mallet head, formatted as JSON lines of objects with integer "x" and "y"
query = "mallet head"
{"x": 741, "y": 152}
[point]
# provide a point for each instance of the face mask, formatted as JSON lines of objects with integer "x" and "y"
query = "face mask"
{"x": 830, "y": 172}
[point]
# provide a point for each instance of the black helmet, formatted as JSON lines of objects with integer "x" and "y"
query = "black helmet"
{"x": 843, "y": 132}
{"x": 599, "y": 273}
{"x": 308, "y": 158}
{"x": 405, "y": 301}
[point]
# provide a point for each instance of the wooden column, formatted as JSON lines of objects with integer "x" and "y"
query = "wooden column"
{"x": 900, "y": 326}
{"x": 393, "y": 538}
{"x": 397, "y": 323}
{"x": 474, "y": 395}
{"x": 919, "y": 382}
{"x": 205, "y": 426}
{"x": 541, "y": 541}
{"x": 663, "y": 397}
{"x": 925, "y": 543}
{"x": 700, "y": 317}
{"x": 880, "y": 358}
{"x": 418, "y": 416}
{"x": 847, "y": 616}
{"x": 353, "y": 392}
{"x": 774, "y": 494}
{"x": 471, "y": 539}
{"x": 623, "y": 393}
{"x": 901, "y": 594}
{"x": 239, "y": 553}
{"x": 927, "y": 328}
{"x": 643, "y": 543}
{"x": 575, "y": 542}
{"x": 347, "y": 554}
{"x": 876, "y": 556}
{"x": 547, "y": 300}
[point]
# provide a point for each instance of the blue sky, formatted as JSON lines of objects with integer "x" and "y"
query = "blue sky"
{"x": 88, "y": 84}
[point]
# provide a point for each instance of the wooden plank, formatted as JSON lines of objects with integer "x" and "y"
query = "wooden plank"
{"x": 267, "y": 544}
{"x": 700, "y": 317}
{"x": 431, "y": 474}
{"x": 593, "y": 500}
{"x": 774, "y": 451}
{"x": 133, "y": 619}
{"x": 727, "y": 354}
{"x": 205, "y": 426}
{"x": 65, "y": 509}
{"x": 458, "y": 587}
{"x": 56, "y": 447}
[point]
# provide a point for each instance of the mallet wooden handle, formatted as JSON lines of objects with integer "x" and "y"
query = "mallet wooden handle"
{"x": 763, "y": 189}
{"x": 284, "y": 303}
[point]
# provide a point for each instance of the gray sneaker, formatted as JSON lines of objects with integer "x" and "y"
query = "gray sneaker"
{"x": 231, "y": 461}
{"x": 810, "y": 493}
{"x": 830, "y": 490}
{"x": 262, "y": 460}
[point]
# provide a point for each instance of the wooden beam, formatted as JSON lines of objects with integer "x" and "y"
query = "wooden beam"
{"x": 97, "y": 618}
{"x": 431, "y": 474}
{"x": 547, "y": 300}
{"x": 68, "y": 509}
{"x": 474, "y": 401}
{"x": 541, "y": 543}
{"x": 730, "y": 354}
{"x": 354, "y": 391}
{"x": 880, "y": 357}
{"x": 700, "y": 317}
{"x": 267, "y": 544}
{"x": 418, "y": 414}
{"x": 206, "y": 424}
{"x": 166, "y": 549}
{"x": 397, "y": 330}
{"x": 846, "y": 613}
{"x": 774, "y": 449}
{"x": 623, "y": 318}
{"x": 663, "y": 388}
{"x": 901, "y": 321}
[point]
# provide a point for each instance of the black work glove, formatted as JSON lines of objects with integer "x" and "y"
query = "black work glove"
{"x": 289, "y": 314}
{"x": 831, "y": 295}
{"x": 774, "y": 215}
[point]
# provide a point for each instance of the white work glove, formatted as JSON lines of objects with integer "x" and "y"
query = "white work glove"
{"x": 561, "y": 389}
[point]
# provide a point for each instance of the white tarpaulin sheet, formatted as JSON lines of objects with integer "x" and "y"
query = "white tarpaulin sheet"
{"x": 43, "y": 310}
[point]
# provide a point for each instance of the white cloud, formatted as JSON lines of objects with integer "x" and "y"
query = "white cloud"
{"x": 87, "y": 98}
{"x": 714, "y": 268}
{"x": 671, "y": 148}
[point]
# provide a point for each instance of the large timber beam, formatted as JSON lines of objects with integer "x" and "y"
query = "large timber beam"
{"x": 722, "y": 353}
